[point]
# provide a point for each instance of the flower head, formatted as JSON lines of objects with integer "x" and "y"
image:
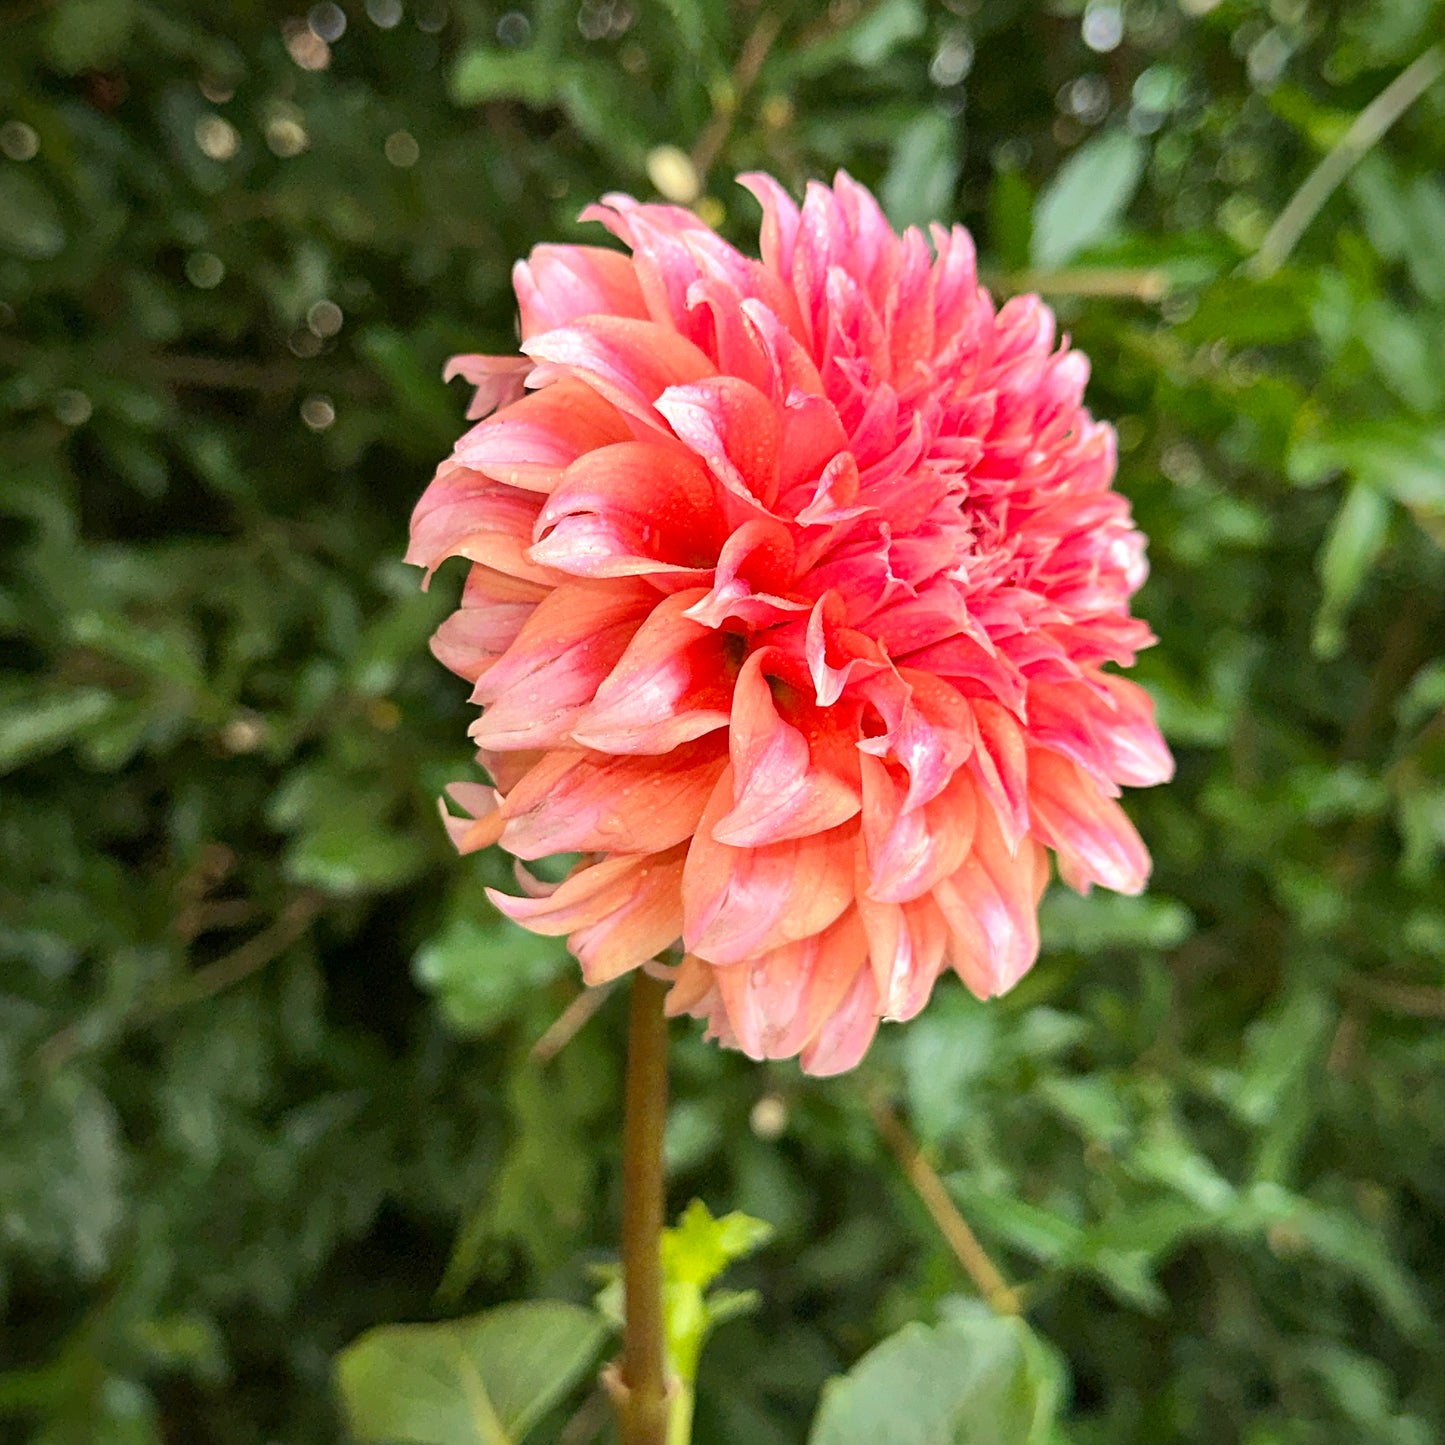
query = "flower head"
{"x": 793, "y": 584}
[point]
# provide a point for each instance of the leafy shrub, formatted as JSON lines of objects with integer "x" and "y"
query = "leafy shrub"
{"x": 267, "y": 1055}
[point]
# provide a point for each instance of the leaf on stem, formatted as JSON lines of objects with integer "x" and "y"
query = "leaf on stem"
{"x": 486, "y": 1380}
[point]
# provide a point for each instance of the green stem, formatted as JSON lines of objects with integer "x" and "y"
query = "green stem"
{"x": 1367, "y": 128}
{"x": 679, "y": 1428}
{"x": 642, "y": 1402}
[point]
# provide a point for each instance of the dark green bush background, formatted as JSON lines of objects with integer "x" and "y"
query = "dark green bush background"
{"x": 264, "y": 1049}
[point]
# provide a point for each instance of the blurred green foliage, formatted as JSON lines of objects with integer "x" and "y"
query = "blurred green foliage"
{"x": 266, "y": 1075}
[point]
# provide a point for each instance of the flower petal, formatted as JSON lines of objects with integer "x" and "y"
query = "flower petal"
{"x": 741, "y": 902}
{"x": 754, "y": 567}
{"x": 466, "y": 514}
{"x": 630, "y": 509}
{"x": 619, "y": 913}
{"x": 539, "y": 686}
{"x": 559, "y": 284}
{"x": 778, "y": 1002}
{"x": 575, "y": 801}
{"x": 781, "y": 790}
{"x": 734, "y": 429}
{"x": 498, "y": 380}
{"x": 908, "y": 850}
{"x": 1095, "y": 841}
{"x": 531, "y": 442}
{"x": 628, "y": 362}
{"x": 483, "y": 824}
{"x": 672, "y": 684}
{"x": 906, "y": 949}
{"x": 844, "y": 1038}
{"x": 990, "y": 906}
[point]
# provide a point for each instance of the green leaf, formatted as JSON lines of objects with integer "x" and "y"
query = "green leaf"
{"x": 482, "y": 969}
{"x": 699, "y": 1247}
{"x": 882, "y": 29}
{"x": 1110, "y": 920}
{"x": 919, "y": 185}
{"x": 867, "y": 42}
{"x": 1282, "y": 1047}
{"x": 542, "y": 1191}
{"x": 1085, "y": 200}
{"x": 89, "y": 34}
{"x": 482, "y": 74}
{"x": 694, "y": 1253}
{"x": 1356, "y": 539}
{"x": 486, "y": 1380}
{"x": 1010, "y": 217}
{"x": 34, "y": 723}
{"x": 350, "y": 854}
{"x": 975, "y": 1379}
{"x": 30, "y": 224}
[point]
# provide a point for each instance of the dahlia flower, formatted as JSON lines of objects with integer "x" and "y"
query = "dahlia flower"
{"x": 793, "y": 586}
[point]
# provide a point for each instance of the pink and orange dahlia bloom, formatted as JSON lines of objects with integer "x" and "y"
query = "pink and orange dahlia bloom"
{"x": 793, "y": 586}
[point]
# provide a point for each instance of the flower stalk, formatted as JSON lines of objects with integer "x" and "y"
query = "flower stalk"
{"x": 642, "y": 1396}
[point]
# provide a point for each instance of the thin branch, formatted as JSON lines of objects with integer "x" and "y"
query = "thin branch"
{"x": 751, "y": 59}
{"x": 569, "y": 1023}
{"x": 1148, "y": 284}
{"x": 995, "y": 1289}
{"x": 1371, "y": 123}
{"x": 224, "y": 973}
{"x": 1398, "y": 996}
{"x": 242, "y": 962}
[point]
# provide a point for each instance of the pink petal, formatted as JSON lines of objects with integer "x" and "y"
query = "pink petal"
{"x": 499, "y": 380}
{"x": 692, "y": 986}
{"x": 780, "y": 221}
{"x": 465, "y": 514}
{"x": 779, "y": 1001}
{"x": 734, "y": 429}
{"x": 1095, "y": 841}
{"x": 483, "y": 824}
{"x": 906, "y": 947}
{"x": 930, "y": 729}
{"x": 584, "y": 802}
{"x": 754, "y": 572}
{"x": 673, "y": 684}
{"x": 628, "y": 362}
{"x": 781, "y": 790}
{"x": 1137, "y": 755}
{"x": 556, "y": 285}
{"x": 908, "y": 850}
{"x": 618, "y": 913}
{"x": 1000, "y": 766}
{"x": 540, "y": 685}
{"x": 844, "y": 1038}
{"x": 532, "y": 441}
{"x": 629, "y": 509}
{"x": 989, "y": 905}
{"x": 473, "y": 638}
{"x": 740, "y": 902}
